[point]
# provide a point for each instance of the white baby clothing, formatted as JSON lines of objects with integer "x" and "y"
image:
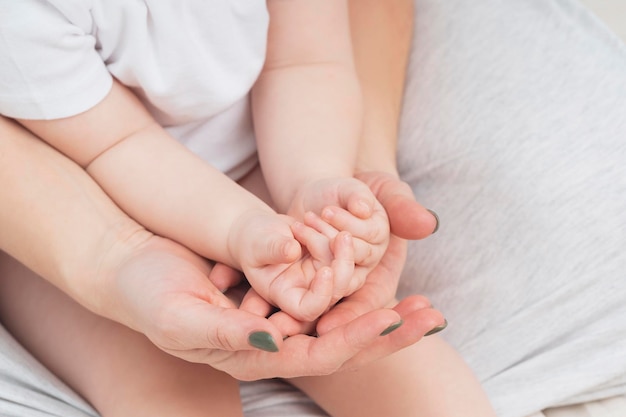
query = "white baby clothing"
{"x": 192, "y": 63}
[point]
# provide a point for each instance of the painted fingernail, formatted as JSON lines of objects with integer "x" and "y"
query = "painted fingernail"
{"x": 436, "y": 218}
{"x": 391, "y": 328}
{"x": 438, "y": 328}
{"x": 263, "y": 341}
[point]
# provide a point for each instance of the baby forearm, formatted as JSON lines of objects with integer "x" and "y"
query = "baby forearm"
{"x": 307, "y": 105}
{"x": 152, "y": 177}
{"x": 307, "y": 120}
{"x": 174, "y": 193}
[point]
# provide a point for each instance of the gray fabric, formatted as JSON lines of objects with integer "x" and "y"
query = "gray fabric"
{"x": 27, "y": 389}
{"x": 276, "y": 398}
{"x": 514, "y": 132}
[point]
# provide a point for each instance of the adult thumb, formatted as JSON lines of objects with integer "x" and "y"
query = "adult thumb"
{"x": 195, "y": 326}
{"x": 408, "y": 218}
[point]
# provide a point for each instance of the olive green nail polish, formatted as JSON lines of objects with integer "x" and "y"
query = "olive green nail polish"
{"x": 263, "y": 341}
{"x": 437, "y": 329}
{"x": 436, "y": 218}
{"x": 391, "y": 328}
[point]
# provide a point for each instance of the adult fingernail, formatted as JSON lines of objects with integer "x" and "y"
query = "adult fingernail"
{"x": 391, "y": 328}
{"x": 263, "y": 341}
{"x": 438, "y": 328}
{"x": 436, "y": 218}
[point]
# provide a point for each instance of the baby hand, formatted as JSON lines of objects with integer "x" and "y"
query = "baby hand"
{"x": 290, "y": 264}
{"x": 346, "y": 204}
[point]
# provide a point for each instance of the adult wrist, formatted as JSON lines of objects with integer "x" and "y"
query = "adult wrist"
{"x": 92, "y": 282}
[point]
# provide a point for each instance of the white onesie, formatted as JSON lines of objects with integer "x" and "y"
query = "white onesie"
{"x": 192, "y": 63}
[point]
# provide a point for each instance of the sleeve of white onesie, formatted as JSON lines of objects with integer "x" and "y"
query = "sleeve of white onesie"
{"x": 49, "y": 66}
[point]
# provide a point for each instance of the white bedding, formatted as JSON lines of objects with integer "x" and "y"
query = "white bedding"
{"x": 610, "y": 407}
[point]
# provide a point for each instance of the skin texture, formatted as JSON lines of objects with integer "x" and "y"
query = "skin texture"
{"x": 114, "y": 253}
{"x": 304, "y": 85}
{"x": 180, "y": 286}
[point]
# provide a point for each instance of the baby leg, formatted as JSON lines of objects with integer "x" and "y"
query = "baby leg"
{"x": 117, "y": 370}
{"x": 425, "y": 379}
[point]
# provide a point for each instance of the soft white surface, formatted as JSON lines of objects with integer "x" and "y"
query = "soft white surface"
{"x": 610, "y": 407}
{"x": 513, "y": 132}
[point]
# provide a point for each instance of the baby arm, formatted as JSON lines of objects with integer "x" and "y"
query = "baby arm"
{"x": 306, "y": 103}
{"x": 152, "y": 177}
{"x": 169, "y": 190}
{"x": 307, "y": 109}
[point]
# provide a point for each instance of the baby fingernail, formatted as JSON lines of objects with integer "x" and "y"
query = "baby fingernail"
{"x": 263, "y": 341}
{"x": 365, "y": 206}
{"x": 437, "y": 329}
{"x": 391, "y": 328}
{"x": 436, "y": 218}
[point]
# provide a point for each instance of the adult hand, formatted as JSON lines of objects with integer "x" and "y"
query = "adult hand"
{"x": 166, "y": 292}
{"x": 408, "y": 218}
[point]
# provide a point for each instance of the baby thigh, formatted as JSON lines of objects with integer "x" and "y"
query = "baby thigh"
{"x": 114, "y": 368}
{"x": 428, "y": 378}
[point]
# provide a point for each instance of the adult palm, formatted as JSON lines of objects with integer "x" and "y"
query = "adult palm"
{"x": 166, "y": 292}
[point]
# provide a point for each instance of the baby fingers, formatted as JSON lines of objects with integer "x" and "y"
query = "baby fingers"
{"x": 341, "y": 258}
{"x": 305, "y": 303}
{"x": 315, "y": 241}
{"x": 373, "y": 230}
{"x": 370, "y": 236}
{"x": 343, "y": 266}
{"x": 357, "y": 198}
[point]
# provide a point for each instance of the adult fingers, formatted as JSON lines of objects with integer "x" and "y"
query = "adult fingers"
{"x": 377, "y": 292}
{"x": 345, "y": 347}
{"x": 253, "y": 303}
{"x": 408, "y": 218}
{"x": 289, "y": 326}
{"x": 417, "y": 321}
{"x": 303, "y": 355}
{"x": 225, "y": 277}
{"x": 189, "y": 324}
{"x": 348, "y": 309}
